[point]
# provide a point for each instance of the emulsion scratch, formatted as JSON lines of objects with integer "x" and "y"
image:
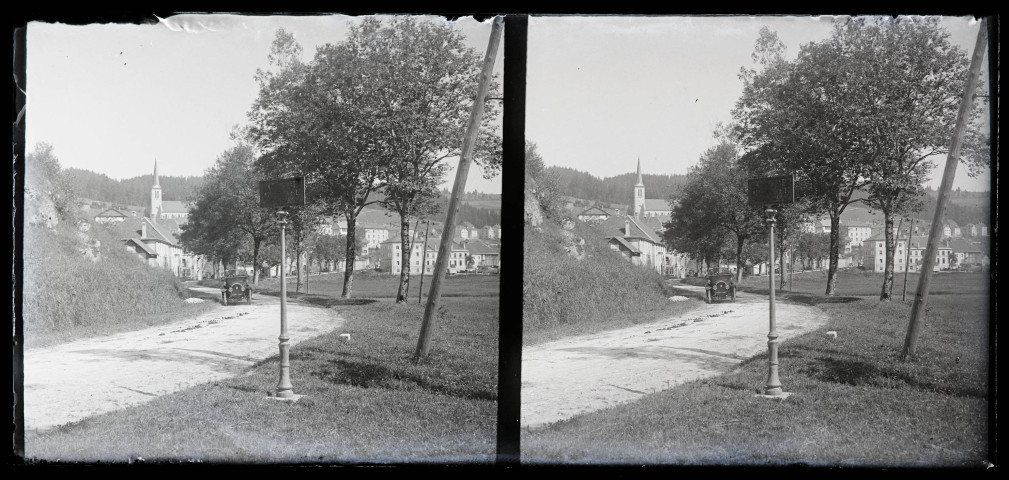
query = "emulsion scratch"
{"x": 138, "y": 391}
{"x": 627, "y": 389}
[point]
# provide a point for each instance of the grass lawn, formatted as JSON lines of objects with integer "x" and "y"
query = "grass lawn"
{"x": 365, "y": 401}
{"x": 854, "y": 402}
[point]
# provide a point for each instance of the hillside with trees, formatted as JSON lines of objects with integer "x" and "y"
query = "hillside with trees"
{"x": 130, "y": 191}
{"x": 618, "y": 189}
{"x": 71, "y": 265}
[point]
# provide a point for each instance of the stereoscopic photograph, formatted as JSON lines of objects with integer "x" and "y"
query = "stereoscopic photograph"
{"x": 734, "y": 241}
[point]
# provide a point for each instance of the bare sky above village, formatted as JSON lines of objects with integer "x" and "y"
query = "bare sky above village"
{"x": 603, "y": 92}
{"x": 112, "y": 98}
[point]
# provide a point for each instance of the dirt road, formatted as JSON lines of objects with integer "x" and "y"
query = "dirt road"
{"x": 567, "y": 377}
{"x": 75, "y": 380}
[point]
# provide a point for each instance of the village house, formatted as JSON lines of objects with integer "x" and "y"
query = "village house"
{"x": 635, "y": 241}
{"x": 858, "y": 233}
{"x": 483, "y": 254}
{"x": 421, "y": 260}
{"x": 457, "y": 258}
{"x": 951, "y": 229}
{"x": 593, "y": 215}
{"x": 969, "y": 254}
{"x": 112, "y": 216}
{"x": 467, "y": 231}
{"x": 908, "y": 253}
{"x": 975, "y": 230}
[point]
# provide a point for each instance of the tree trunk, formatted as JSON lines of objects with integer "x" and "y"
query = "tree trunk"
{"x": 255, "y": 259}
{"x": 404, "y": 255}
{"x": 739, "y": 258}
{"x": 297, "y": 260}
{"x": 781, "y": 265}
{"x": 835, "y": 234}
{"x": 348, "y": 275}
{"x": 885, "y": 293}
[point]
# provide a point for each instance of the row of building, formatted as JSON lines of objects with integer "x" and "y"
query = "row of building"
{"x": 638, "y": 237}
{"x": 153, "y": 236}
{"x": 968, "y": 244}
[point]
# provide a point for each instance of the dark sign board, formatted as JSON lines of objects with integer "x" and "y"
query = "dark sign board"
{"x": 770, "y": 191}
{"x": 282, "y": 193}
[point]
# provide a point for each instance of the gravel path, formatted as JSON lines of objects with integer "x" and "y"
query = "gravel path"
{"x": 568, "y": 377}
{"x": 75, "y": 380}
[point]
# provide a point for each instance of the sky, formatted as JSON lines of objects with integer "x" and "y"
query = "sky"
{"x": 113, "y": 98}
{"x": 603, "y": 92}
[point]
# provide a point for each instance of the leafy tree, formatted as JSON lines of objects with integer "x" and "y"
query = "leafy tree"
{"x": 812, "y": 247}
{"x": 421, "y": 80}
{"x": 314, "y": 120}
{"x": 46, "y": 183}
{"x": 542, "y": 183}
{"x": 796, "y": 118}
{"x": 688, "y": 230}
{"x": 907, "y": 92}
{"x": 327, "y": 250}
{"x": 717, "y": 186}
{"x": 227, "y": 206}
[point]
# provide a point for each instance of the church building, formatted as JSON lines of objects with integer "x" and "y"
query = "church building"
{"x": 155, "y": 238}
{"x": 648, "y": 207}
{"x": 166, "y": 209}
{"x": 639, "y": 237}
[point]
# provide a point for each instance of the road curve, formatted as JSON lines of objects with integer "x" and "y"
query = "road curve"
{"x": 75, "y": 380}
{"x": 576, "y": 375}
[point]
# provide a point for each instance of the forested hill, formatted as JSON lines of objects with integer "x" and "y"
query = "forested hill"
{"x": 963, "y": 207}
{"x": 618, "y": 189}
{"x": 131, "y": 191}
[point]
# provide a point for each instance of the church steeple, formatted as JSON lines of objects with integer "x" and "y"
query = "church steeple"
{"x": 158, "y": 184}
{"x": 639, "y": 194}
{"x": 155, "y": 212}
{"x": 639, "y": 184}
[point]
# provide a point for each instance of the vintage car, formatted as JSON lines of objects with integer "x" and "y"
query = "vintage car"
{"x": 236, "y": 288}
{"x": 720, "y": 287}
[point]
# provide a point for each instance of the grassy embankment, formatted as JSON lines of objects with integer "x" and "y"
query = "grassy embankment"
{"x": 854, "y": 402}
{"x": 564, "y": 296}
{"x": 365, "y": 401}
{"x": 67, "y": 296}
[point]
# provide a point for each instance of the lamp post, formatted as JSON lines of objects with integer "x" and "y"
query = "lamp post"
{"x": 284, "y": 388}
{"x": 773, "y": 387}
{"x": 771, "y": 192}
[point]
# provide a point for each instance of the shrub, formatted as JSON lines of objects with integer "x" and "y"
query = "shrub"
{"x": 65, "y": 291}
{"x": 561, "y": 289}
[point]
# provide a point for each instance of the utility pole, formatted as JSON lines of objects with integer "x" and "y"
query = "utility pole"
{"x": 458, "y": 189}
{"x": 907, "y": 257}
{"x": 952, "y": 159}
{"x": 423, "y": 261}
